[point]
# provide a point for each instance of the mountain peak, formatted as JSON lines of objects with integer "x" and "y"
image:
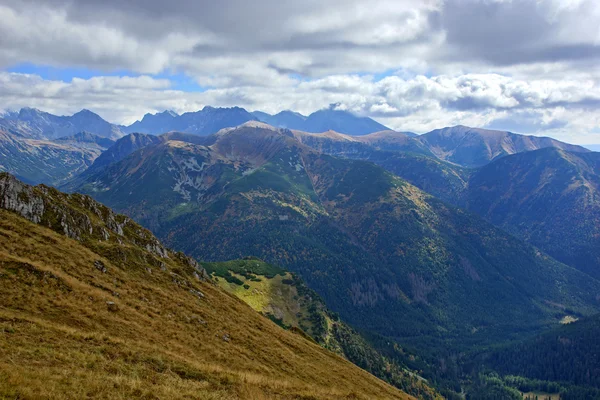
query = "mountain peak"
{"x": 86, "y": 113}
{"x": 206, "y": 121}
{"x": 258, "y": 124}
{"x": 331, "y": 118}
{"x": 29, "y": 112}
{"x": 290, "y": 112}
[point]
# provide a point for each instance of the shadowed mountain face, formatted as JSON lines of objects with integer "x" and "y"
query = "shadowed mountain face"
{"x": 207, "y": 121}
{"x": 122, "y": 148}
{"x": 384, "y": 254}
{"x": 154, "y": 123}
{"x": 549, "y": 198}
{"x": 341, "y": 121}
{"x": 566, "y": 354}
{"x": 93, "y": 303}
{"x": 472, "y": 147}
{"x": 36, "y": 124}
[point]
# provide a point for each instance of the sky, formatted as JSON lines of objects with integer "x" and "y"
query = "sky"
{"x": 529, "y": 66}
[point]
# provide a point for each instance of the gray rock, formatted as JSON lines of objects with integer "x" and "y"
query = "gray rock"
{"x": 197, "y": 293}
{"x": 100, "y": 266}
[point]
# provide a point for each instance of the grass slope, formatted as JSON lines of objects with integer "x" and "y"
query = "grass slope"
{"x": 284, "y": 298}
{"x": 120, "y": 317}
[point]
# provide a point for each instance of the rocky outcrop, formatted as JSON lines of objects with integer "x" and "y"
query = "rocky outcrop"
{"x": 77, "y": 216}
{"x": 19, "y": 197}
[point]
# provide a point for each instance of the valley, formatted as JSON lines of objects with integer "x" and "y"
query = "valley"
{"x": 376, "y": 247}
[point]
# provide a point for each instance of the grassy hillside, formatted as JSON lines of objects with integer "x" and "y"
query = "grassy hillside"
{"x": 284, "y": 298}
{"x": 94, "y": 306}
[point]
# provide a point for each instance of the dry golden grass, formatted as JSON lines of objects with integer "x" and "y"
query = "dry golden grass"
{"x": 58, "y": 338}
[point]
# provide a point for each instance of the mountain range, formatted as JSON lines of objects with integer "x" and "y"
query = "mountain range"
{"x": 323, "y": 120}
{"x": 385, "y": 255}
{"x": 429, "y": 260}
{"x": 204, "y": 122}
{"x": 35, "y": 124}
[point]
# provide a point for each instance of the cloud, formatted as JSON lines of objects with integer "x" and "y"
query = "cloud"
{"x": 214, "y": 41}
{"x": 478, "y": 62}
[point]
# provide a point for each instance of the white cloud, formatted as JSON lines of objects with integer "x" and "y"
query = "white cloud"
{"x": 566, "y": 109}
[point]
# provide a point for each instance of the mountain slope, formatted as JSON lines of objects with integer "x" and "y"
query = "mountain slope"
{"x": 567, "y": 354}
{"x": 473, "y": 147}
{"x": 124, "y": 147}
{"x": 399, "y": 154}
{"x": 203, "y": 122}
{"x": 44, "y": 161}
{"x": 382, "y": 253}
{"x": 284, "y": 298}
{"x": 549, "y": 198}
{"x": 95, "y": 306}
{"x": 335, "y": 143}
{"x": 36, "y": 124}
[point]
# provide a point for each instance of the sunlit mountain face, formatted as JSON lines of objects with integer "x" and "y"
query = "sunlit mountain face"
{"x": 300, "y": 200}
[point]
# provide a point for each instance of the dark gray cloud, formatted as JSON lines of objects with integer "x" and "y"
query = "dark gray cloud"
{"x": 524, "y": 31}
